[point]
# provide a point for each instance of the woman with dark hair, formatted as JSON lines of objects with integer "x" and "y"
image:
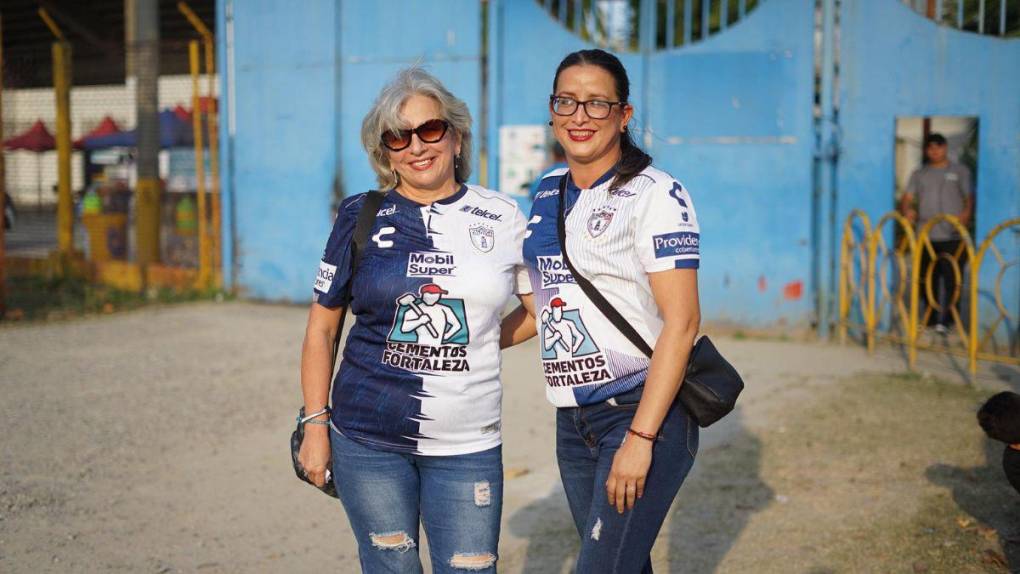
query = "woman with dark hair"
{"x": 624, "y": 442}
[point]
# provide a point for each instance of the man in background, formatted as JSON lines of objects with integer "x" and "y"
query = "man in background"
{"x": 940, "y": 187}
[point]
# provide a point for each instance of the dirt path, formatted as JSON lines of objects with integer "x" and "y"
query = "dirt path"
{"x": 155, "y": 441}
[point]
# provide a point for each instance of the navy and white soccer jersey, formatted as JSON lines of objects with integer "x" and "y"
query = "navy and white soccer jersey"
{"x": 615, "y": 237}
{"x": 420, "y": 369}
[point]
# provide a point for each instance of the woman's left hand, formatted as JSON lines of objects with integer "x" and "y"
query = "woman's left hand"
{"x": 630, "y": 468}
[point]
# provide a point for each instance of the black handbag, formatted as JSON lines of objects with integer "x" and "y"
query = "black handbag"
{"x": 711, "y": 384}
{"x": 362, "y": 229}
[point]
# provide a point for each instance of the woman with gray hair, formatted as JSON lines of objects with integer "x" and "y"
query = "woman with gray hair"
{"x": 413, "y": 433}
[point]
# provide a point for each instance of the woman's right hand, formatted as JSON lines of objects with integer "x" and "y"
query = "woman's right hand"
{"x": 314, "y": 455}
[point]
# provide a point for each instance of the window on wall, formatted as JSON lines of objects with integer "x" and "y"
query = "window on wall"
{"x": 932, "y": 174}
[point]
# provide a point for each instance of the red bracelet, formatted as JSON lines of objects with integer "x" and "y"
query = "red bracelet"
{"x": 643, "y": 435}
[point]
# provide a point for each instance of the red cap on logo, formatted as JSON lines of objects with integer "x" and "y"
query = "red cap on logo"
{"x": 557, "y": 302}
{"x": 432, "y": 288}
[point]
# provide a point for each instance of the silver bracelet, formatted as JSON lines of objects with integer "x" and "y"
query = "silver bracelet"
{"x": 324, "y": 411}
{"x": 323, "y": 422}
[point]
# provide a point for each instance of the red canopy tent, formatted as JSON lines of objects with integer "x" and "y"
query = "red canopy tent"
{"x": 37, "y": 138}
{"x": 106, "y": 127}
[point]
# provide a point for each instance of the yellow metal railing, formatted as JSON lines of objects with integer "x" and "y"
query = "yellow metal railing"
{"x": 880, "y": 288}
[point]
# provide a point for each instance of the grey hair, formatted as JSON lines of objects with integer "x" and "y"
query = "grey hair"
{"x": 385, "y": 116}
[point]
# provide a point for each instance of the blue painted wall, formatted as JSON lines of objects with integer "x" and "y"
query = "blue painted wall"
{"x": 897, "y": 63}
{"x": 305, "y": 76}
{"x": 730, "y": 116}
{"x": 284, "y": 145}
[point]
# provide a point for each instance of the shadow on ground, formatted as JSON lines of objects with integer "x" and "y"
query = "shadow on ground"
{"x": 983, "y": 493}
{"x": 717, "y": 502}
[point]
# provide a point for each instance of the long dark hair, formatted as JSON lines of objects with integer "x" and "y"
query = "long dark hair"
{"x": 632, "y": 158}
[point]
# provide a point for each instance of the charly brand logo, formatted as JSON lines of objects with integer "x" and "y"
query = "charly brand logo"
{"x": 675, "y": 193}
{"x": 430, "y": 264}
{"x": 324, "y": 279}
{"x": 378, "y": 237}
{"x": 429, "y": 332}
{"x": 676, "y": 243}
{"x": 535, "y": 220}
{"x": 482, "y": 237}
{"x": 554, "y": 272}
{"x": 547, "y": 193}
{"x": 600, "y": 220}
{"x": 386, "y": 211}
{"x": 479, "y": 212}
{"x": 621, "y": 192}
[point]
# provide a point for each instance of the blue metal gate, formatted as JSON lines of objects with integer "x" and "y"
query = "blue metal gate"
{"x": 729, "y": 115}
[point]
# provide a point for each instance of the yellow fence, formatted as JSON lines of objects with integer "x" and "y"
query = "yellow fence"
{"x": 880, "y": 289}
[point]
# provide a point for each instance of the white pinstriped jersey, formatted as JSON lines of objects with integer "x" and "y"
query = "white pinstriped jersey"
{"x": 615, "y": 238}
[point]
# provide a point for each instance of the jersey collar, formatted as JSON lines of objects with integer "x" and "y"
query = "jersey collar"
{"x": 395, "y": 196}
{"x": 571, "y": 187}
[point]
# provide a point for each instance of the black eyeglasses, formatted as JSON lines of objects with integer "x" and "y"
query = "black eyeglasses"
{"x": 429, "y": 132}
{"x": 595, "y": 109}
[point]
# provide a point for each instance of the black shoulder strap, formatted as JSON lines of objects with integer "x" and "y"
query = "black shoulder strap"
{"x": 592, "y": 293}
{"x": 362, "y": 229}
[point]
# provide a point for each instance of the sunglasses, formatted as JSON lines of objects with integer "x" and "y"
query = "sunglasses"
{"x": 429, "y": 132}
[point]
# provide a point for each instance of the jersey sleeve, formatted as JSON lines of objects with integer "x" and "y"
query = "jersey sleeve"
{"x": 667, "y": 232}
{"x": 330, "y": 287}
{"x": 522, "y": 282}
{"x": 966, "y": 182}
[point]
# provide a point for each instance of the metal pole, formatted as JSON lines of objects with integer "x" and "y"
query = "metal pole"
{"x": 62, "y": 89}
{"x": 203, "y": 214}
{"x": 215, "y": 234}
{"x": 1002, "y": 17}
{"x": 212, "y": 121}
{"x": 3, "y": 186}
{"x": 688, "y": 21}
{"x": 826, "y": 156}
{"x": 670, "y": 23}
{"x": 706, "y": 18}
{"x": 147, "y": 193}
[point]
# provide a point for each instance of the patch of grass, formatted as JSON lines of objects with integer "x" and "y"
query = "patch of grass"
{"x": 873, "y": 474}
{"x": 40, "y": 298}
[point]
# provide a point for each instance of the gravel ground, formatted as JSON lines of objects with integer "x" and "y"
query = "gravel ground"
{"x": 155, "y": 441}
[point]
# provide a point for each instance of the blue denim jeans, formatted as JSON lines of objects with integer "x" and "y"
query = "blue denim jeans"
{"x": 458, "y": 500}
{"x": 587, "y": 438}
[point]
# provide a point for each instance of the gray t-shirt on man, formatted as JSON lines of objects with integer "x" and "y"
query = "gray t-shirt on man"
{"x": 940, "y": 190}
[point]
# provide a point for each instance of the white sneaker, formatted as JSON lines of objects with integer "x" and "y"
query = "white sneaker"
{"x": 941, "y": 329}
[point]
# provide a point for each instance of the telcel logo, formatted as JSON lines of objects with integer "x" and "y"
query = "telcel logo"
{"x": 430, "y": 264}
{"x": 482, "y": 213}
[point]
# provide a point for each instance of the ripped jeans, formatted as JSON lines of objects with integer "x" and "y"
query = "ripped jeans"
{"x": 587, "y": 439}
{"x": 458, "y": 500}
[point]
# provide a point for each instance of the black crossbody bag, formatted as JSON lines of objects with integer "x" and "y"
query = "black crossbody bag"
{"x": 362, "y": 229}
{"x": 711, "y": 384}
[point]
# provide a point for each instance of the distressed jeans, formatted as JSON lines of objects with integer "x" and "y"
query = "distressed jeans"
{"x": 458, "y": 500}
{"x": 587, "y": 438}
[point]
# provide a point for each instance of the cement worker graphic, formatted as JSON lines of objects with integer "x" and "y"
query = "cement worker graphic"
{"x": 561, "y": 334}
{"x": 433, "y": 322}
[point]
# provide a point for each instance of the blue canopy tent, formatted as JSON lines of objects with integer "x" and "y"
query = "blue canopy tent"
{"x": 173, "y": 132}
